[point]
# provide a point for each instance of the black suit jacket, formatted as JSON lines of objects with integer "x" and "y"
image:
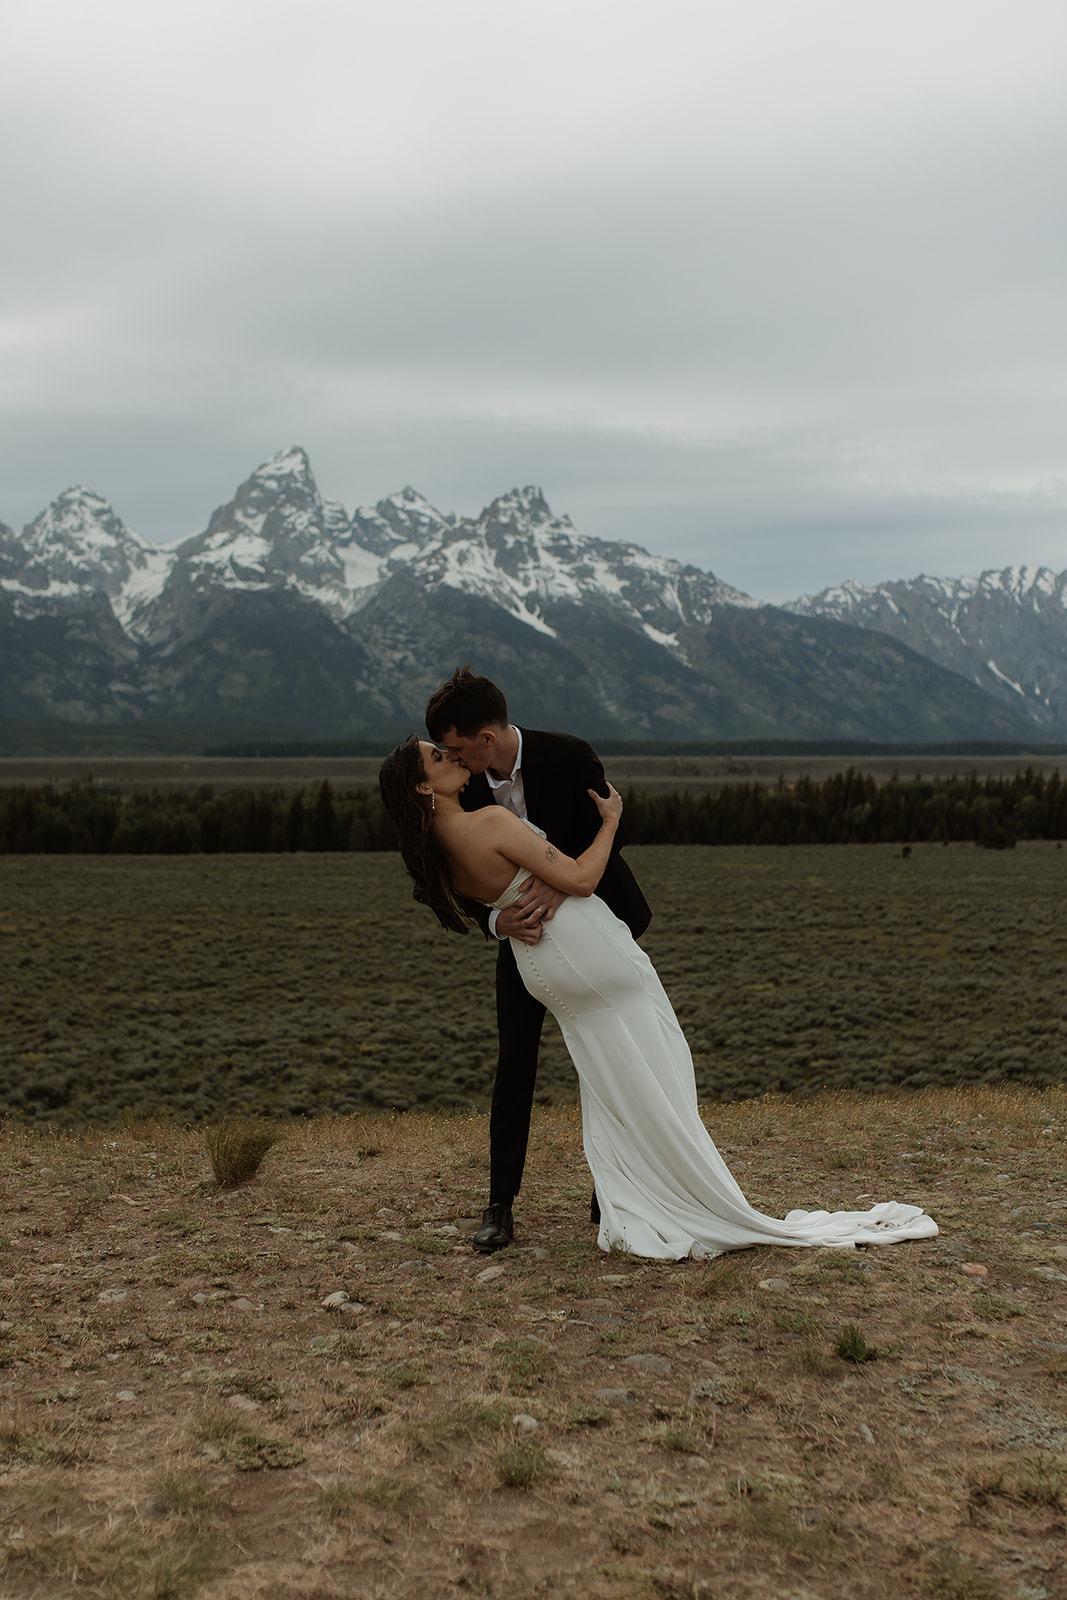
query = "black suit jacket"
{"x": 558, "y": 770}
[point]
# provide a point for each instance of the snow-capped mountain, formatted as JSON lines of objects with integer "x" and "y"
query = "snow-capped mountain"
{"x": 1005, "y": 631}
{"x": 78, "y": 546}
{"x": 287, "y": 613}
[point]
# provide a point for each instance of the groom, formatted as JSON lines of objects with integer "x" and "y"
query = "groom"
{"x": 544, "y": 777}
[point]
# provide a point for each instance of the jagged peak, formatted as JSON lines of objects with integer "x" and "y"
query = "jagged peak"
{"x": 527, "y": 505}
{"x": 291, "y": 463}
{"x": 80, "y": 517}
{"x": 408, "y": 501}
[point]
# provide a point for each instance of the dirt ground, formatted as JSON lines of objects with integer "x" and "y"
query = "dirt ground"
{"x": 183, "y": 1414}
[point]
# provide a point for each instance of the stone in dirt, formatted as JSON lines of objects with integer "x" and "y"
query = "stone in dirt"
{"x": 525, "y": 1423}
{"x": 489, "y": 1274}
{"x": 659, "y": 1366}
{"x": 974, "y": 1269}
{"x": 773, "y": 1283}
{"x": 615, "y": 1397}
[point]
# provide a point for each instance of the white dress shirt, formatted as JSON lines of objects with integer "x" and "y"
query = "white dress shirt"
{"x": 507, "y": 792}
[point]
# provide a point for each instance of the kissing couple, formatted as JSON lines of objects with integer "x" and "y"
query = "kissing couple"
{"x": 516, "y": 830}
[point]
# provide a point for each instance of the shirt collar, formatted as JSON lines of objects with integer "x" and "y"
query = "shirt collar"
{"x": 499, "y": 783}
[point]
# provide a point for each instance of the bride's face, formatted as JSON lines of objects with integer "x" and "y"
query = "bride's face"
{"x": 442, "y": 776}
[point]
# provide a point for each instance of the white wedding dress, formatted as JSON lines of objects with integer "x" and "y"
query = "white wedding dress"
{"x": 664, "y": 1190}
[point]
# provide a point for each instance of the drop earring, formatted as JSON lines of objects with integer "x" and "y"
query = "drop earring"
{"x": 433, "y": 802}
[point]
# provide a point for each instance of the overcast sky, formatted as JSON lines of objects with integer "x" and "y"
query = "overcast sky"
{"x": 774, "y": 286}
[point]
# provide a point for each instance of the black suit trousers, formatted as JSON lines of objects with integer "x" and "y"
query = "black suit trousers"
{"x": 519, "y": 1019}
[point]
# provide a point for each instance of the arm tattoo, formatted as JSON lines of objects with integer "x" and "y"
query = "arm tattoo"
{"x": 550, "y": 854}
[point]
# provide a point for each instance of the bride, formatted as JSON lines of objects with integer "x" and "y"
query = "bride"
{"x": 664, "y": 1190}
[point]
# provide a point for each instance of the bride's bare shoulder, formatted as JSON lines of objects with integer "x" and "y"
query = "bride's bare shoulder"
{"x": 493, "y": 820}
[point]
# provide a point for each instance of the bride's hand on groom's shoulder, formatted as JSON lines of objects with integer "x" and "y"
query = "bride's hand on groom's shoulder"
{"x": 609, "y": 806}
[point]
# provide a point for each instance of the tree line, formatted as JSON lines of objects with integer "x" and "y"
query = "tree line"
{"x": 849, "y": 808}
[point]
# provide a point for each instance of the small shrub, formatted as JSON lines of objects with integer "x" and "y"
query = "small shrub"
{"x": 521, "y": 1362}
{"x": 571, "y": 1288}
{"x": 210, "y": 1339}
{"x": 797, "y": 1322}
{"x": 236, "y": 1147}
{"x": 337, "y": 1346}
{"x": 177, "y": 1222}
{"x": 992, "y": 1308}
{"x": 682, "y": 1440}
{"x": 723, "y": 1275}
{"x": 520, "y": 1465}
{"x": 34, "y": 1449}
{"x": 406, "y": 1374}
{"x": 188, "y": 1495}
{"x": 389, "y": 1493}
{"x": 741, "y": 1316}
{"x": 851, "y": 1345}
{"x": 953, "y": 1577}
{"x": 586, "y": 1416}
{"x": 1036, "y": 1480}
{"x": 443, "y": 1431}
{"x": 744, "y": 1488}
{"x": 224, "y": 1437}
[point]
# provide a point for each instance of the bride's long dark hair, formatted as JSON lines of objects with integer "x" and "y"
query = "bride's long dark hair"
{"x": 420, "y": 852}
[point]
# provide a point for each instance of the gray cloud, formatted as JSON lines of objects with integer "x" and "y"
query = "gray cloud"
{"x": 778, "y": 290}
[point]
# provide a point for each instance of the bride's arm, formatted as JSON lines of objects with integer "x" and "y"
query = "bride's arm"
{"x": 504, "y": 832}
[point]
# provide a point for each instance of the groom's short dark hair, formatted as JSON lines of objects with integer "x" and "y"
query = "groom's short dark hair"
{"x": 467, "y": 703}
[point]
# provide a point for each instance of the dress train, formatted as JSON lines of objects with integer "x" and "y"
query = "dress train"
{"x": 664, "y": 1190}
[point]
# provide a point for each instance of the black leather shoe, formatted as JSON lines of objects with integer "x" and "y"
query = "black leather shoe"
{"x": 496, "y": 1232}
{"x": 594, "y": 1211}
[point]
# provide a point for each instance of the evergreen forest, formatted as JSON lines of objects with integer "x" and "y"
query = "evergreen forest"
{"x": 848, "y": 808}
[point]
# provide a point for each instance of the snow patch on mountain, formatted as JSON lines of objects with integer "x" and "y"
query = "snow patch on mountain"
{"x": 995, "y": 670}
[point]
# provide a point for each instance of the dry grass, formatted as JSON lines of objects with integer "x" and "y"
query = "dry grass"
{"x": 182, "y": 1419}
{"x": 236, "y": 1148}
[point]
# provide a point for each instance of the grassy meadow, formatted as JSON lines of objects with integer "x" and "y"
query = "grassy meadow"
{"x": 312, "y": 984}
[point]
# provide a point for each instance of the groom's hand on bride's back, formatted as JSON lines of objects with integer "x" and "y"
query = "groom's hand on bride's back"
{"x": 537, "y": 904}
{"x": 513, "y": 924}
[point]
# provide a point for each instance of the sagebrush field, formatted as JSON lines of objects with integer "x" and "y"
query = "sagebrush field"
{"x": 311, "y": 984}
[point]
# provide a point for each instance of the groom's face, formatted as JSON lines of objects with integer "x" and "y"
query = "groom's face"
{"x": 474, "y": 751}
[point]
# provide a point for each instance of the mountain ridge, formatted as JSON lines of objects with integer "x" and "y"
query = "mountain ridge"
{"x": 284, "y": 609}
{"x": 1005, "y": 629}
